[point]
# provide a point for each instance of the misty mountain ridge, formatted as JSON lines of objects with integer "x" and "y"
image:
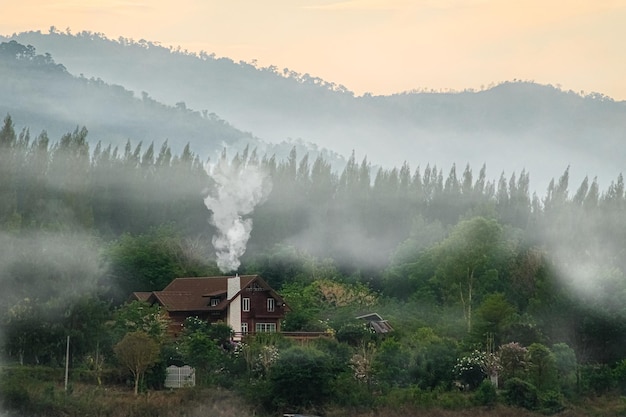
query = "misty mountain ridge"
{"x": 43, "y": 95}
{"x": 510, "y": 127}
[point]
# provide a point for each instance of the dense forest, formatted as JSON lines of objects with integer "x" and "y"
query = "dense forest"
{"x": 476, "y": 275}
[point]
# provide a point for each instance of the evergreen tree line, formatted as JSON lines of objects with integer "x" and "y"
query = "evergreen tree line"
{"x": 111, "y": 191}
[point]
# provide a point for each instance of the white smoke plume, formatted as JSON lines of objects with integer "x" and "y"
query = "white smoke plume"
{"x": 238, "y": 190}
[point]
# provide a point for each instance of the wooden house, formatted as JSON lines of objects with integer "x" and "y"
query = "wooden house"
{"x": 246, "y": 303}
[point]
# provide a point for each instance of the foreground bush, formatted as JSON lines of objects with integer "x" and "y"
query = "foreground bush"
{"x": 486, "y": 394}
{"x": 301, "y": 379}
{"x": 520, "y": 393}
{"x": 551, "y": 402}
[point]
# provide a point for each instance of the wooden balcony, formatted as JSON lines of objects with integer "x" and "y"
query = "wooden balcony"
{"x": 301, "y": 337}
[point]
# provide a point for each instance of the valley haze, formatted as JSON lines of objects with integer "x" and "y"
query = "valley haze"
{"x": 510, "y": 127}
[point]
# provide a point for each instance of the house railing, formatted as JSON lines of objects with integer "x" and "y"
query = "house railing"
{"x": 301, "y": 336}
{"x": 306, "y": 335}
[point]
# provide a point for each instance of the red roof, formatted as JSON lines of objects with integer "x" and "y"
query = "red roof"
{"x": 140, "y": 296}
{"x": 180, "y": 301}
{"x": 205, "y": 285}
{"x": 193, "y": 294}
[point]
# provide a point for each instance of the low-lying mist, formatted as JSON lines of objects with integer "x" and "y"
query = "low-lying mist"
{"x": 50, "y": 266}
{"x": 107, "y": 222}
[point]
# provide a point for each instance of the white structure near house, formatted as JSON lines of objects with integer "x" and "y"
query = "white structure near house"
{"x": 180, "y": 377}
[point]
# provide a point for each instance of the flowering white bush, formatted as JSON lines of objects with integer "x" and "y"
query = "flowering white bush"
{"x": 361, "y": 363}
{"x": 472, "y": 369}
{"x": 267, "y": 357}
{"x": 259, "y": 359}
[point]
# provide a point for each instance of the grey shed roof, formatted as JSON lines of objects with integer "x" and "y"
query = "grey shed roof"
{"x": 379, "y": 324}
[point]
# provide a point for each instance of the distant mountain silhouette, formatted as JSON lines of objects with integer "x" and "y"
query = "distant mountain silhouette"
{"x": 511, "y": 126}
{"x": 42, "y": 95}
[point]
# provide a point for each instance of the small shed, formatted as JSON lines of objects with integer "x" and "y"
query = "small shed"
{"x": 376, "y": 322}
{"x": 180, "y": 376}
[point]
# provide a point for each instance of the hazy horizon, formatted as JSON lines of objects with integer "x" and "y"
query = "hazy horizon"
{"x": 381, "y": 47}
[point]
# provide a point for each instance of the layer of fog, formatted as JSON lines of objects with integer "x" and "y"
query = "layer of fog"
{"x": 588, "y": 262}
{"x": 49, "y": 266}
{"x": 510, "y": 128}
{"x": 355, "y": 245}
{"x": 382, "y": 136}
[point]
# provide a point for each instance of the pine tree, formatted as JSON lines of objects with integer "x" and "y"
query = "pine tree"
{"x": 8, "y": 166}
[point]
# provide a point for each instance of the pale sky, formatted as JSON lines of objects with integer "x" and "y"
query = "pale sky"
{"x": 377, "y": 46}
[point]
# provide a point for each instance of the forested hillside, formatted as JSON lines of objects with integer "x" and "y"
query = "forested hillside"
{"x": 480, "y": 276}
{"x": 43, "y": 95}
{"x": 439, "y": 249}
{"x": 510, "y": 126}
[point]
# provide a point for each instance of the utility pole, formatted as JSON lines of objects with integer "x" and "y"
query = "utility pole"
{"x": 67, "y": 361}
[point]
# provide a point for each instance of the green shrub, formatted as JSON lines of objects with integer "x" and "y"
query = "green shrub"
{"x": 542, "y": 369}
{"x": 520, "y": 393}
{"x": 566, "y": 365}
{"x": 301, "y": 379}
{"x": 596, "y": 379}
{"x": 486, "y": 394}
{"x": 154, "y": 377}
{"x": 274, "y": 339}
{"x": 391, "y": 364}
{"x": 348, "y": 392}
{"x": 619, "y": 375}
{"x": 354, "y": 334}
{"x": 551, "y": 402}
{"x": 255, "y": 391}
{"x": 453, "y": 401}
{"x": 32, "y": 373}
{"x": 433, "y": 364}
{"x": 414, "y": 397}
{"x": 14, "y": 397}
{"x": 408, "y": 397}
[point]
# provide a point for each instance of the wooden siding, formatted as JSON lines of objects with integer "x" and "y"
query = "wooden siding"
{"x": 258, "y": 309}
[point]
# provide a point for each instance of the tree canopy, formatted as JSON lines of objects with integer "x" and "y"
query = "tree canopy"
{"x": 456, "y": 266}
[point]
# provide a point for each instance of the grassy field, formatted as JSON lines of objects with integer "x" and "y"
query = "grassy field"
{"x": 85, "y": 400}
{"x": 39, "y": 392}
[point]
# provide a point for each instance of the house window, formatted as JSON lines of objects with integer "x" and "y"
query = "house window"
{"x": 244, "y": 328}
{"x": 271, "y": 304}
{"x": 266, "y": 327}
{"x": 245, "y": 304}
{"x": 214, "y": 302}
